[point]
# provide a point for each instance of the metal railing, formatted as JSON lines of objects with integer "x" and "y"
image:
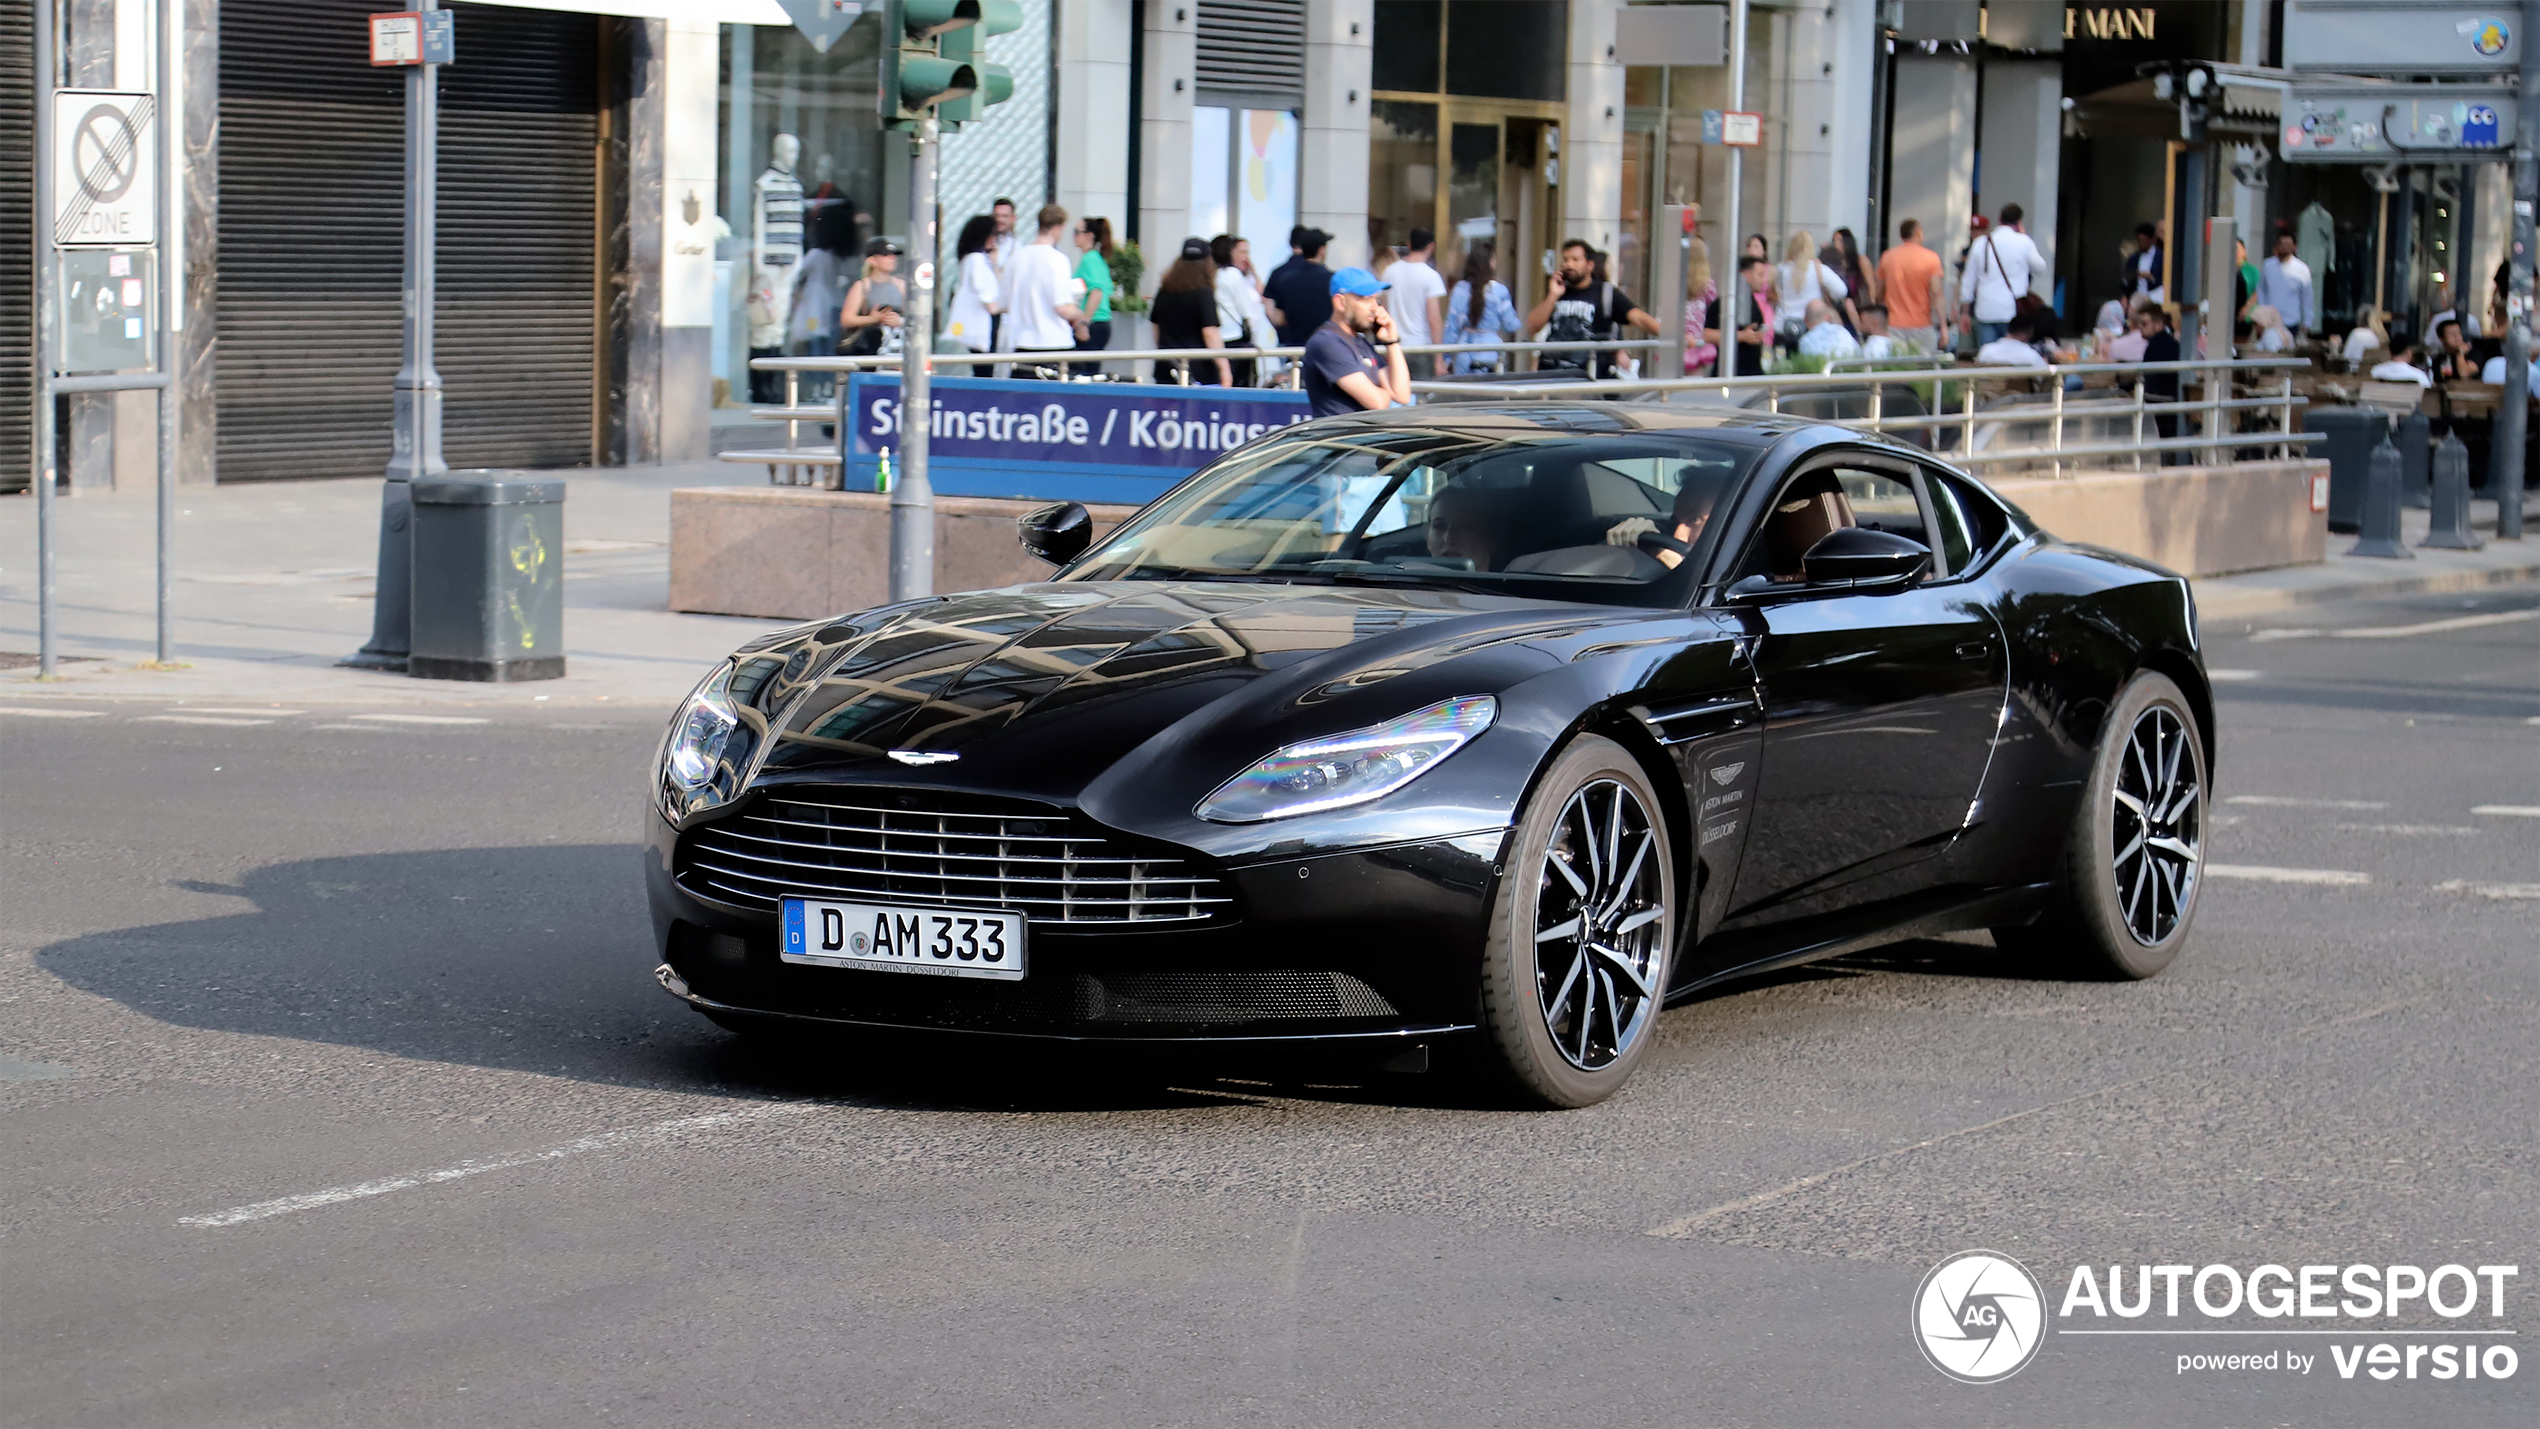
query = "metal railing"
{"x": 1986, "y": 434}
{"x": 793, "y": 413}
{"x": 1950, "y": 411}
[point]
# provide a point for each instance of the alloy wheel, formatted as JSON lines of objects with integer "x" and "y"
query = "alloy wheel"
{"x": 2158, "y": 836}
{"x": 1600, "y": 926}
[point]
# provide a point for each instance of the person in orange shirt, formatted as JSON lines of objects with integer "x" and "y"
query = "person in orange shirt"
{"x": 1909, "y": 277}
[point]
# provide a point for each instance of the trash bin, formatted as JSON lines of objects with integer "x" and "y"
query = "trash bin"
{"x": 2352, "y": 434}
{"x": 488, "y": 577}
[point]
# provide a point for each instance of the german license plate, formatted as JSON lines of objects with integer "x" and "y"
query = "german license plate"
{"x": 945, "y": 942}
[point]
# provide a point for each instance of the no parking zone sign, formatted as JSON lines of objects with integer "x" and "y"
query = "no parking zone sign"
{"x": 105, "y": 167}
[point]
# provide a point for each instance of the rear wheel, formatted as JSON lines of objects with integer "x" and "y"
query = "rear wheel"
{"x": 1581, "y": 935}
{"x": 2134, "y": 861}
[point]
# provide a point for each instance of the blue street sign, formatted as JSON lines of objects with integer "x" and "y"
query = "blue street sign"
{"x": 1060, "y": 441}
{"x": 1711, "y": 126}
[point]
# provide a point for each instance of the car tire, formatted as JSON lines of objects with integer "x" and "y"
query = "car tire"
{"x": 2125, "y": 890}
{"x": 1582, "y": 932}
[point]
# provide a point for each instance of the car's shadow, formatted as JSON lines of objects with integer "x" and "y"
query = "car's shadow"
{"x": 535, "y": 959}
{"x": 538, "y": 959}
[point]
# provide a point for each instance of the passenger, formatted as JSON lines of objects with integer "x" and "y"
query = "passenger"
{"x": 1469, "y": 522}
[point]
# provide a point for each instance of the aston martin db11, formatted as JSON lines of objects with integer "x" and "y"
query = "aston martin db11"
{"x": 1485, "y": 729}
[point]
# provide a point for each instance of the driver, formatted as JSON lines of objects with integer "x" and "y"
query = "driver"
{"x": 1692, "y": 512}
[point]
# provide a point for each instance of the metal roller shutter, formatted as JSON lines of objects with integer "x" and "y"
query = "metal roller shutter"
{"x": 1254, "y": 49}
{"x": 17, "y": 238}
{"x": 312, "y": 179}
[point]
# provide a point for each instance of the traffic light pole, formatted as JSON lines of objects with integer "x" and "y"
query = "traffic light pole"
{"x": 912, "y": 496}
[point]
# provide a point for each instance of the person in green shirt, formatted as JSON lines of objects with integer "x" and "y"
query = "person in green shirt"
{"x": 1094, "y": 269}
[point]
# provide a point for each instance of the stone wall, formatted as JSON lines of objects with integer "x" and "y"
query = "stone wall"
{"x": 2196, "y": 520}
{"x": 794, "y": 553}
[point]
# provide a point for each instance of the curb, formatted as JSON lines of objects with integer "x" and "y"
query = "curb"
{"x": 2232, "y": 604}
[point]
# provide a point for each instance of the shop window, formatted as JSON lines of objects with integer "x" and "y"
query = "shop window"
{"x": 1406, "y": 45}
{"x": 802, "y": 169}
{"x": 1507, "y": 49}
{"x": 1402, "y": 168}
{"x": 1243, "y": 174}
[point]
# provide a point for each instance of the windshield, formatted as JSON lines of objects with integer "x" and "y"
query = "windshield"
{"x": 1605, "y": 517}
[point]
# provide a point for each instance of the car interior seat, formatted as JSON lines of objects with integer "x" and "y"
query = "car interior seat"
{"x": 1804, "y": 514}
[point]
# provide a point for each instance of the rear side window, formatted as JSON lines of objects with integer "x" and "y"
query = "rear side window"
{"x": 1971, "y": 521}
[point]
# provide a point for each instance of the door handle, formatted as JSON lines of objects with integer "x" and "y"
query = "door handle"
{"x": 1974, "y": 650}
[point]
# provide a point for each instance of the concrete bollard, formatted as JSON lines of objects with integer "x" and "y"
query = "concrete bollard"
{"x": 2381, "y": 508}
{"x": 2450, "y": 530}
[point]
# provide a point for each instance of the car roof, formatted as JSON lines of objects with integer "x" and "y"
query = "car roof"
{"x": 1713, "y": 420}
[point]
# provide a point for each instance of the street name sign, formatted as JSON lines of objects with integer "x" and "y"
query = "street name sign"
{"x": 1060, "y": 441}
{"x": 2380, "y": 37}
{"x": 105, "y": 166}
{"x": 2376, "y": 123}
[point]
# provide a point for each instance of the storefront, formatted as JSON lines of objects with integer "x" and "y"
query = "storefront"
{"x": 1464, "y": 134}
{"x": 309, "y": 240}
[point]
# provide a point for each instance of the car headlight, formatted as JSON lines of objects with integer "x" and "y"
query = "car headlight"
{"x": 1343, "y": 769}
{"x": 700, "y": 734}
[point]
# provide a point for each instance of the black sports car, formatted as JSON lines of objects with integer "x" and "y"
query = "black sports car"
{"x": 1490, "y": 728}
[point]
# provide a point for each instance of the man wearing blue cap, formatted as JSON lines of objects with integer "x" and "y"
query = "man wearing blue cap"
{"x": 1354, "y": 363}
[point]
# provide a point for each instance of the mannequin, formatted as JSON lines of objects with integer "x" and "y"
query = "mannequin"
{"x": 776, "y": 245}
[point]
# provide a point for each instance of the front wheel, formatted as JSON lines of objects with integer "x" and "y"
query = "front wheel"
{"x": 1581, "y": 933}
{"x": 2134, "y": 860}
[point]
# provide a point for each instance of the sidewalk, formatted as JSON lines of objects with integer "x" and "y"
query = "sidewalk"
{"x": 273, "y": 586}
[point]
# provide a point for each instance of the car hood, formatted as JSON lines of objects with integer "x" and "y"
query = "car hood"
{"x": 1038, "y": 690}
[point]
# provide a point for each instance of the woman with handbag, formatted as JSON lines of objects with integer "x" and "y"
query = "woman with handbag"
{"x": 1803, "y": 278}
{"x": 871, "y": 314}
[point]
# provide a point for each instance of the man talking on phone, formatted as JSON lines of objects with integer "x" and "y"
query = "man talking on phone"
{"x": 1354, "y": 363}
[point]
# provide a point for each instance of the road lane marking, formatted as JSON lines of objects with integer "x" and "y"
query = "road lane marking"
{"x": 2490, "y": 890}
{"x": 16, "y": 1069}
{"x": 2279, "y": 801}
{"x": 2455, "y": 830}
{"x": 1684, "y": 1226}
{"x": 229, "y": 720}
{"x": 2509, "y": 811}
{"x": 2397, "y": 632}
{"x": 31, "y": 712}
{"x": 2231, "y": 674}
{"x": 2265, "y": 874}
{"x": 240, "y": 710}
{"x": 604, "y": 1141}
{"x": 2437, "y": 627}
{"x": 422, "y": 719}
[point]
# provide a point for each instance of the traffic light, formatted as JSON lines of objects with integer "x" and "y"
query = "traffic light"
{"x": 995, "y": 83}
{"x": 916, "y": 73}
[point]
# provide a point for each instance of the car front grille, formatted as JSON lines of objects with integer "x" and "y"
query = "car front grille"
{"x": 887, "y": 845}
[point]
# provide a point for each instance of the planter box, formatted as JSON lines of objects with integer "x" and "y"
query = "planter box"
{"x": 795, "y": 554}
{"x": 2196, "y": 520}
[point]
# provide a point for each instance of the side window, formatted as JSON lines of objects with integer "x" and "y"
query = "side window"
{"x": 1816, "y": 502}
{"x": 1980, "y": 520}
{"x": 1955, "y": 546}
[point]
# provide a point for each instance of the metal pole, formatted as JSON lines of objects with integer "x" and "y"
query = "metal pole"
{"x": 1670, "y": 239}
{"x": 2505, "y": 471}
{"x": 47, "y": 72}
{"x": 171, "y": 13}
{"x": 2222, "y": 287}
{"x": 416, "y": 400}
{"x": 1732, "y": 293}
{"x": 912, "y": 496}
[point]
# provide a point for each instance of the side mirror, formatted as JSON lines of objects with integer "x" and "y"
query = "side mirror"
{"x": 1057, "y": 534}
{"x": 1858, "y": 556}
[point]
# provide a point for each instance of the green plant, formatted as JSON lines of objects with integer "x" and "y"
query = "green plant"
{"x": 1795, "y": 364}
{"x": 1128, "y": 268}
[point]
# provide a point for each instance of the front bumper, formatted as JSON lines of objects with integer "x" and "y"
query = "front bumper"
{"x": 1365, "y": 946}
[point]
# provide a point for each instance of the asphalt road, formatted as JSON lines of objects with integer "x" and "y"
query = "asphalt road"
{"x": 385, "y": 985}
